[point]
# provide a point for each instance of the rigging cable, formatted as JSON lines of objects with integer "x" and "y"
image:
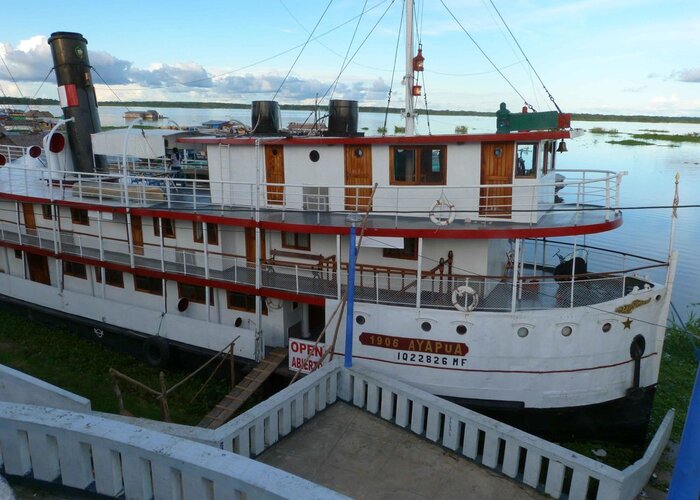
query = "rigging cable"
{"x": 110, "y": 88}
{"x": 551, "y": 97}
{"x": 11, "y": 76}
{"x": 37, "y": 90}
{"x": 425, "y": 98}
{"x": 486, "y": 56}
{"x": 352, "y": 39}
{"x": 393, "y": 70}
{"x": 308, "y": 39}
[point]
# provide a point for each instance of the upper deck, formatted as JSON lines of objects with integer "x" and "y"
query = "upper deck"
{"x": 587, "y": 201}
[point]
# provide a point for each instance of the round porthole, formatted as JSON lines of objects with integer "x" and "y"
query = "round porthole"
{"x": 606, "y": 327}
{"x": 425, "y": 326}
{"x": 566, "y": 331}
{"x": 360, "y": 320}
{"x": 498, "y": 152}
{"x": 359, "y": 153}
{"x": 658, "y": 298}
{"x": 637, "y": 347}
{"x": 523, "y": 332}
{"x": 314, "y": 156}
{"x": 461, "y": 329}
{"x": 275, "y": 151}
{"x": 238, "y": 322}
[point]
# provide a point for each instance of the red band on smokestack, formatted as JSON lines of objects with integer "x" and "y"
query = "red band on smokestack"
{"x": 68, "y": 95}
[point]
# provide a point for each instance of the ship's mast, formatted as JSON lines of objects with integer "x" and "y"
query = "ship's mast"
{"x": 409, "y": 114}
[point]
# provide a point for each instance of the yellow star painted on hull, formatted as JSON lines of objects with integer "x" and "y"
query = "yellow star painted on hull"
{"x": 627, "y": 324}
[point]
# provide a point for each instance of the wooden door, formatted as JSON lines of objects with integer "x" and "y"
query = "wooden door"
{"x": 29, "y": 219}
{"x": 250, "y": 245}
{"x": 274, "y": 173}
{"x": 38, "y": 268}
{"x": 137, "y": 234}
{"x": 358, "y": 172}
{"x": 496, "y": 168}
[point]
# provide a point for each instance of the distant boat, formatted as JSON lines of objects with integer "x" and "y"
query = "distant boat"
{"x": 150, "y": 115}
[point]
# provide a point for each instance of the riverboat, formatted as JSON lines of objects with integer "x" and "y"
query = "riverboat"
{"x": 471, "y": 276}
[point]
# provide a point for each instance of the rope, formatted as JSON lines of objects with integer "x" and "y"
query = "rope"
{"x": 486, "y": 56}
{"x": 425, "y": 98}
{"x": 551, "y": 97}
{"x": 11, "y": 76}
{"x": 393, "y": 70}
{"x": 345, "y": 57}
{"x": 308, "y": 39}
{"x": 110, "y": 88}
{"x": 37, "y": 90}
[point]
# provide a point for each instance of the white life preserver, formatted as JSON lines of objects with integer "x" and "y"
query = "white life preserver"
{"x": 273, "y": 302}
{"x": 437, "y": 212}
{"x": 465, "y": 305}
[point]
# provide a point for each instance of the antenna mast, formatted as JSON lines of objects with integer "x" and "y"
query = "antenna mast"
{"x": 409, "y": 113}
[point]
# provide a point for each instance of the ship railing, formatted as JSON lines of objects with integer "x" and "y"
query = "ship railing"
{"x": 524, "y": 200}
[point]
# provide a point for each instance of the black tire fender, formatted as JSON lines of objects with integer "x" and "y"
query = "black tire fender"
{"x": 156, "y": 351}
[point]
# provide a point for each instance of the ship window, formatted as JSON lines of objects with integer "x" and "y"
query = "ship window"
{"x": 168, "y": 227}
{"x": 18, "y": 254}
{"x": 74, "y": 269}
{"x": 298, "y": 241}
{"x": 525, "y": 158}
{"x": 419, "y": 165}
{"x": 79, "y": 216}
{"x": 195, "y": 293}
{"x": 212, "y": 233}
{"x": 47, "y": 212}
{"x": 148, "y": 284}
{"x": 409, "y": 250}
{"x": 112, "y": 277}
{"x": 243, "y": 302}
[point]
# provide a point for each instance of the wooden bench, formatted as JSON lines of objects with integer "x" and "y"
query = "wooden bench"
{"x": 316, "y": 262}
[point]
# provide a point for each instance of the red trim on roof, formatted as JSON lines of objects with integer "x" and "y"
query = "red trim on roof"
{"x": 384, "y": 140}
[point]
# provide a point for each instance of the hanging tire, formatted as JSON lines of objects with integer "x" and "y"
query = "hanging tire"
{"x": 156, "y": 351}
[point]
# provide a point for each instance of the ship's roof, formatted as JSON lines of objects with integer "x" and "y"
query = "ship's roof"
{"x": 530, "y": 136}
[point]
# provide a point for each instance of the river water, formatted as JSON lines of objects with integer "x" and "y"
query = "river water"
{"x": 650, "y": 179}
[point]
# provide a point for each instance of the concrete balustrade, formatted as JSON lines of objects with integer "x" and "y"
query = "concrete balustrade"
{"x": 117, "y": 459}
{"x": 163, "y": 460}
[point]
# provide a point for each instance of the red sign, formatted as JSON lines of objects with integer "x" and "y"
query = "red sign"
{"x": 304, "y": 355}
{"x": 415, "y": 345}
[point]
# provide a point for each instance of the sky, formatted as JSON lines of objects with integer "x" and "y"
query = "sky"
{"x": 593, "y": 56}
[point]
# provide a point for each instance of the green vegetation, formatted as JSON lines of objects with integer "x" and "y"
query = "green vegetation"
{"x": 19, "y": 101}
{"x": 654, "y": 130}
{"x": 461, "y": 129}
{"x": 676, "y": 379}
{"x": 381, "y": 130}
{"x": 631, "y": 142}
{"x": 692, "y": 137}
{"x": 601, "y": 130}
{"x": 64, "y": 359}
{"x": 399, "y": 130}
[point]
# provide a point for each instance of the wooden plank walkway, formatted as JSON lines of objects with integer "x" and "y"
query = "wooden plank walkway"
{"x": 228, "y": 406}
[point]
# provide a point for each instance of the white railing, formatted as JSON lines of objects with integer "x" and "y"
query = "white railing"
{"x": 521, "y": 456}
{"x": 520, "y": 201}
{"x": 117, "y": 459}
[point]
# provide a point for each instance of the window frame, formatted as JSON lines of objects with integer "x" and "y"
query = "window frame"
{"x": 79, "y": 216}
{"x": 151, "y": 291}
{"x": 44, "y": 207}
{"x": 400, "y": 253}
{"x": 249, "y": 307}
{"x": 533, "y": 165}
{"x": 194, "y": 297}
{"x": 74, "y": 269}
{"x": 168, "y": 228}
{"x": 295, "y": 245}
{"x": 418, "y": 163}
{"x": 212, "y": 232}
{"x": 109, "y": 280}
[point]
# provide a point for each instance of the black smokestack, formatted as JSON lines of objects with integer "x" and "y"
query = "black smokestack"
{"x": 77, "y": 95}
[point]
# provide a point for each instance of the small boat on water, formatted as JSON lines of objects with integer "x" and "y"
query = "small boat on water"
{"x": 472, "y": 279}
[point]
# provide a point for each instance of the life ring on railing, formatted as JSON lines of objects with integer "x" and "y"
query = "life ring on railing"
{"x": 472, "y": 298}
{"x": 156, "y": 351}
{"x": 273, "y": 302}
{"x": 437, "y": 212}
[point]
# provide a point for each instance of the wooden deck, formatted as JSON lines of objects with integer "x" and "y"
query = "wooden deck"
{"x": 232, "y": 402}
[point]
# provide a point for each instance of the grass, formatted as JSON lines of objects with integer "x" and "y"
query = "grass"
{"x": 631, "y": 142}
{"x": 676, "y": 379}
{"x": 691, "y": 137}
{"x": 81, "y": 366}
{"x": 601, "y": 130}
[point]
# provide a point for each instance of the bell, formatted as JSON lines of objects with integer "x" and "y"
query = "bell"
{"x": 562, "y": 147}
{"x": 416, "y": 90}
{"x": 418, "y": 60}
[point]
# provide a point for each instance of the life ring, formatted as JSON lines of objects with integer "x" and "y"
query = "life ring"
{"x": 273, "y": 302}
{"x": 156, "y": 351}
{"x": 471, "y": 302}
{"x": 437, "y": 211}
